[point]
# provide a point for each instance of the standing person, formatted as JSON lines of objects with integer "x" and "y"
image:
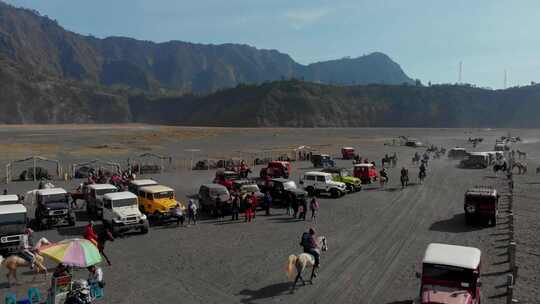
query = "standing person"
{"x": 288, "y": 203}
{"x": 235, "y": 208}
{"x": 314, "y": 207}
{"x": 249, "y": 210}
{"x": 254, "y": 203}
{"x": 219, "y": 209}
{"x": 295, "y": 205}
{"x": 95, "y": 276}
{"x": 102, "y": 238}
{"x": 267, "y": 202}
{"x": 90, "y": 233}
{"x": 302, "y": 210}
{"x": 192, "y": 212}
{"x": 178, "y": 214}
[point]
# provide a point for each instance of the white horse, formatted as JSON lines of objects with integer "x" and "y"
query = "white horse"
{"x": 12, "y": 262}
{"x": 303, "y": 261}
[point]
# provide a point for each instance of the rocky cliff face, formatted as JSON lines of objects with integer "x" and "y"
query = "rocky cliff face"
{"x": 179, "y": 67}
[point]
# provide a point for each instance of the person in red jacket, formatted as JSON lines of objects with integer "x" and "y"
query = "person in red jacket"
{"x": 254, "y": 202}
{"x": 90, "y": 234}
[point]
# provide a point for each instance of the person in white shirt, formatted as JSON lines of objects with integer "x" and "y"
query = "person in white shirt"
{"x": 95, "y": 276}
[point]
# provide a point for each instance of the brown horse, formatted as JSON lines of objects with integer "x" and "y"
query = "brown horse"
{"x": 13, "y": 262}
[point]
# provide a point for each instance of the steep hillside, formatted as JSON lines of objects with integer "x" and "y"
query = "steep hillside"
{"x": 29, "y": 97}
{"x": 177, "y": 67}
{"x": 303, "y": 104}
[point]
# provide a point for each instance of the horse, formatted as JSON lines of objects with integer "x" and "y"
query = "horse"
{"x": 421, "y": 176}
{"x": 522, "y": 168}
{"x": 521, "y": 154}
{"x": 303, "y": 261}
{"x": 12, "y": 262}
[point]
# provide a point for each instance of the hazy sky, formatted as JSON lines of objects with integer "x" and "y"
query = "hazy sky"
{"x": 427, "y": 38}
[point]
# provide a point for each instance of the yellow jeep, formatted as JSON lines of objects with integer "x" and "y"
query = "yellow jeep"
{"x": 157, "y": 200}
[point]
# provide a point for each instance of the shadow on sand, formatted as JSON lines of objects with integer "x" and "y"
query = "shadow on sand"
{"x": 456, "y": 224}
{"x": 266, "y": 292}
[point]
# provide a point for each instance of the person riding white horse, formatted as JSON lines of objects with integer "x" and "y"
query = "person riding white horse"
{"x": 310, "y": 258}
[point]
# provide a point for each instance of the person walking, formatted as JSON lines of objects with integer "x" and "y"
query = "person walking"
{"x": 302, "y": 210}
{"x": 192, "y": 212}
{"x": 314, "y": 207}
{"x": 235, "y": 208}
{"x": 254, "y": 202}
{"x": 102, "y": 238}
{"x": 249, "y": 210}
{"x": 267, "y": 202}
{"x": 90, "y": 234}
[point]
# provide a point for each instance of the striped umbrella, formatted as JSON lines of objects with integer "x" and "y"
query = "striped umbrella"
{"x": 73, "y": 252}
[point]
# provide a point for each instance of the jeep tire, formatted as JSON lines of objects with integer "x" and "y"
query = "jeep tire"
{"x": 468, "y": 219}
{"x": 335, "y": 193}
{"x": 144, "y": 228}
{"x": 493, "y": 220}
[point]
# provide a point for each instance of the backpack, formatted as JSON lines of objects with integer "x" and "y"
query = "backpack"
{"x": 304, "y": 242}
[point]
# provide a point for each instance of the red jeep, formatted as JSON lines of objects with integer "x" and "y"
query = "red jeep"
{"x": 450, "y": 275}
{"x": 347, "y": 152}
{"x": 226, "y": 178}
{"x": 367, "y": 173}
{"x": 276, "y": 169}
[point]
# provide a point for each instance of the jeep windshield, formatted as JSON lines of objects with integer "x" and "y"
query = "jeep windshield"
{"x": 346, "y": 173}
{"x": 250, "y": 188}
{"x": 124, "y": 203}
{"x": 54, "y": 198}
{"x": 444, "y": 274}
{"x": 289, "y": 185}
{"x": 218, "y": 191}
{"x": 102, "y": 192}
{"x": 164, "y": 194}
{"x": 12, "y": 223}
{"x": 480, "y": 199}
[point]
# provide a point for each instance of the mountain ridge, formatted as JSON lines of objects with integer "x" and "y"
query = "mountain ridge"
{"x": 174, "y": 66}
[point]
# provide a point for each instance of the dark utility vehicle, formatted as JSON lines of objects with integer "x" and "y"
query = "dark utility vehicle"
{"x": 281, "y": 188}
{"x": 481, "y": 205}
{"x": 52, "y": 208}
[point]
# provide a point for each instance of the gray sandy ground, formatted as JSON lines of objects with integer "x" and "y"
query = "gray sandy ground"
{"x": 376, "y": 237}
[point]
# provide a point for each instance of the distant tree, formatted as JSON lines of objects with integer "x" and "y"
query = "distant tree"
{"x": 429, "y": 83}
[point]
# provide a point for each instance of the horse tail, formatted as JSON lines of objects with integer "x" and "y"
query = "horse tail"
{"x": 291, "y": 265}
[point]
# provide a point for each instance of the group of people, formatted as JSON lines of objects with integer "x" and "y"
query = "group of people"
{"x": 180, "y": 214}
{"x": 299, "y": 207}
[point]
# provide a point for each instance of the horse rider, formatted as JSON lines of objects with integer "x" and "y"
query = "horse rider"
{"x": 28, "y": 252}
{"x": 404, "y": 177}
{"x": 422, "y": 170}
{"x": 310, "y": 246}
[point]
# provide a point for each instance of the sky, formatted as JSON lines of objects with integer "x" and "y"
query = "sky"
{"x": 428, "y": 38}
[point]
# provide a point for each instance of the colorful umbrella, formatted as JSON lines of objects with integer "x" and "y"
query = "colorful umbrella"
{"x": 73, "y": 252}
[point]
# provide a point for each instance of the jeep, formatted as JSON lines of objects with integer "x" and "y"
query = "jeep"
{"x": 121, "y": 213}
{"x": 94, "y": 198}
{"x": 134, "y": 185}
{"x": 52, "y": 207}
{"x": 367, "y": 173}
{"x": 457, "y": 153}
{"x": 481, "y": 205}
{"x": 276, "y": 169}
{"x": 347, "y": 152}
{"x": 209, "y": 193}
{"x": 322, "y": 161}
{"x": 226, "y": 178}
{"x": 450, "y": 274}
{"x": 9, "y": 199}
{"x": 158, "y": 201}
{"x": 281, "y": 189}
{"x": 317, "y": 183}
{"x": 13, "y": 220}
{"x": 475, "y": 160}
{"x": 343, "y": 175}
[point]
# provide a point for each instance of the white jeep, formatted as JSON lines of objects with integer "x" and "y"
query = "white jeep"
{"x": 316, "y": 183}
{"x": 121, "y": 213}
{"x": 13, "y": 220}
